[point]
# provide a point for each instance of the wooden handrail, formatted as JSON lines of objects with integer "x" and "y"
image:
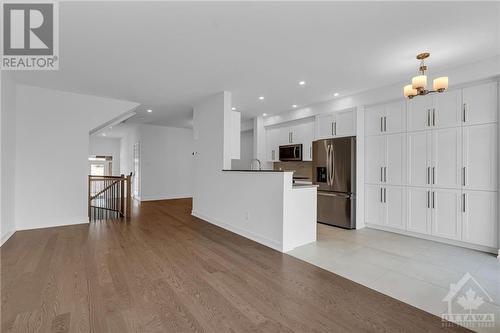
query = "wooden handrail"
{"x": 112, "y": 198}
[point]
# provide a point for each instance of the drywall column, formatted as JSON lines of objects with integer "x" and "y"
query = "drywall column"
{"x": 259, "y": 142}
{"x": 360, "y": 167}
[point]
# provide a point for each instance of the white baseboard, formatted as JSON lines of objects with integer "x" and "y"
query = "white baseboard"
{"x": 6, "y": 237}
{"x": 278, "y": 246}
{"x": 435, "y": 239}
{"x": 156, "y": 198}
{"x": 53, "y": 225}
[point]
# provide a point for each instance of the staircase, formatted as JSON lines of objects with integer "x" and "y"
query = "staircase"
{"x": 109, "y": 197}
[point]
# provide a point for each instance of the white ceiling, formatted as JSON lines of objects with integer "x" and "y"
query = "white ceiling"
{"x": 168, "y": 55}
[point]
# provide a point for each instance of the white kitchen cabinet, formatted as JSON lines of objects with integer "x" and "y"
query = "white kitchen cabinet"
{"x": 446, "y": 158}
{"x": 338, "y": 124}
{"x": 374, "y": 120}
{"x": 303, "y": 132}
{"x": 419, "y": 113}
{"x": 480, "y": 157}
{"x": 480, "y": 218}
{"x": 480, "y": 104}
{"x": 446, "y": 109}
{"x": 446, "y": 213}
{"x": 272, "y": 144}
{"x": 375, "y": 159}
{"x": 419, "y": 158}
{"x": 374, "y": 205}
{"x": 419, "y": 214}
{"x": 395, "y": 206}
{"x": 385, "y": 118}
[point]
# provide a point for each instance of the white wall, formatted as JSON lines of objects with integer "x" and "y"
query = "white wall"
{"x": 166, "y": 162}
{"x": 106, "y": 147}
{"x": 8, "y": 156}
{"x": 246, "y": 152}
{"x": 251, "y": 204}
{"x": 52, "y": 146}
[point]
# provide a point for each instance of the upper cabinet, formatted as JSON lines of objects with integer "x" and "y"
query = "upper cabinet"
{"x": 294, "y": 132}
{"x": 338, "y": 124}
{"x": 386, "y": 118}
{"x": 434, "y": 111}
{"x": 480, "y": 104}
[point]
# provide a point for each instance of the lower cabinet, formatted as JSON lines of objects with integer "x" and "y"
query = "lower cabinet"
{"x": 480, "y": 217}
{"x": 446, "y": 214}
{"x": 385, "y": 206}
{"x": 419, "y": 215}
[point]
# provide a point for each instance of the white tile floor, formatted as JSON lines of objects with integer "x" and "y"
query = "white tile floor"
{"x": 415, "y": 271}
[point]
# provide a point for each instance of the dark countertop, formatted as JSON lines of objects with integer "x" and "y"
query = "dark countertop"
{"x": 241, "y": 170}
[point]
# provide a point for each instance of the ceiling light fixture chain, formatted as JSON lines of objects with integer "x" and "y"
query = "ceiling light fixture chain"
{"x": 418, "y": 84}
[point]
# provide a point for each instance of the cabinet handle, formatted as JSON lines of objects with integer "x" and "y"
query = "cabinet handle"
{"x": 464, "y": 112}
{"x": 381, "y": 124}
{"x": 381, "y": 174}
{"x": 433, "y": 200}
{"x": 291, "y": 137}
{"x": 463, "y": 202}
{"x": 311, "y": 152}
{"x": 428, "y": 117}
{"x": 332, "y": 129}
{"x": 381, "y": 194}
{"x": 428, "y": 199}
{"x": 335, "y": 127}
{"x": 385, "y": 174}
{"x": 385, "y": 124}
{"x": 385, "y": 195}
{"x": 463, "y": 175}
{"x": 272, "y": 155}
{"x": 428, "y": 175}
{"x": 433, "y": 175}
{"x": 433, "y": 117}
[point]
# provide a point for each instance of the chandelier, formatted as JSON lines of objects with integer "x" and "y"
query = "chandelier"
{"x": 418, "y": 84}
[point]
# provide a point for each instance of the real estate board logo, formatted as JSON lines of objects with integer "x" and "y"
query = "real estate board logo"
{"x": 467, "y": 304}
{"x": 30, "y": 35}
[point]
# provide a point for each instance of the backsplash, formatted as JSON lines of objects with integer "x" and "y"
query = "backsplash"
{"x": 302, "y": 168}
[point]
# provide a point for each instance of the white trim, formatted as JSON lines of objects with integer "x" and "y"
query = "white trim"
{"x": 242, "y": 232}
{"x": 55, "y": 225}
{"x": 6, "y": 237}
{"x": 434, "y": 238}
{"x": 159, "y": 197}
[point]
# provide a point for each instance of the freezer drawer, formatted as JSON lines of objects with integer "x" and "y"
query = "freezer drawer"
{"x": 337, "y": 209}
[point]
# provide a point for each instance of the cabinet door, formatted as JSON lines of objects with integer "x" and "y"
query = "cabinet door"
{"x": 375, "y": 150}
{"x": 396, "y": 159}
{"x": 395, "y": 202}
{"x": 324, "y": 126}
{"x": 418, "y": 209}
{"x": 304, "y": 133}
{"x": 446, "y": 213}
{"x": 418, "y": 158}
{"x": 272, "y": 136}
{"x": 481, "y": 157}
{"x": 374, "y": 120}
{"x": 446, "y": 157}
{"x": 480, "y": 218}
{"x": 446, "y": 111}
{"x": 395, "y": 114}
{"x": 344, "y": 124}
{"x": 480, "y": 104}
{"x": 419, "y": 113}
{"x": 374, "y": 206}
{"x": 285, "y": 136}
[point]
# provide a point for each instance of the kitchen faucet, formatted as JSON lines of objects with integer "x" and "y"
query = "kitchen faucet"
{"x": 251, "y": 164}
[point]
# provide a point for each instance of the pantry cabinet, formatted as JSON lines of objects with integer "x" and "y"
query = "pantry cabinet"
{"x": 480, "y": 104}
{"x": 385, "y": 159}
{"x": 480, "y": 217}
{"x": 385, "y": 206}
{"x": 434, "y": 111}
{"x": 385, "y": 118}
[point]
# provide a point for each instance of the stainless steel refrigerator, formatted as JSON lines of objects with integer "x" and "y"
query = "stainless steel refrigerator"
{"x": 334, "y": 171}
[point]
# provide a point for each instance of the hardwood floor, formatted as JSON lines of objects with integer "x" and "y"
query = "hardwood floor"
{"x": 166, "y": 271}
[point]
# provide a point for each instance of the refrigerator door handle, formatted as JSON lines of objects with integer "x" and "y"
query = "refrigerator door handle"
{"x": 334, "y": 194}
{"x": 327, "y": 164}
{"x": 332, "y": 166}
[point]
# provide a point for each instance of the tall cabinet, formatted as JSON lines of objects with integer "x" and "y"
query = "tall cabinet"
{"x": 439, "y": 153}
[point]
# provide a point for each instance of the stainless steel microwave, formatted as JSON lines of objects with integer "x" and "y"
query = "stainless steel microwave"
{"x": 291, "y": 152}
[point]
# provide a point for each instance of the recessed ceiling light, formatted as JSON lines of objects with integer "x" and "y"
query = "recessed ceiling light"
{"x": 335, "y": 95}
{"x": 261, "y": 98}
{"x": 302, "y": 83}
{"x": 103, "y": 134}
{"x": 294, "y": 106}
{"x": 110, "y": 127}
{"x": 233, "y": 108}
{"x": 264, "y": 114}
{"x": 149, "y": 110}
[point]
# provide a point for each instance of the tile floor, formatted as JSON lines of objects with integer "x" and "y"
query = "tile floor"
{"x": 415, "y": 271}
